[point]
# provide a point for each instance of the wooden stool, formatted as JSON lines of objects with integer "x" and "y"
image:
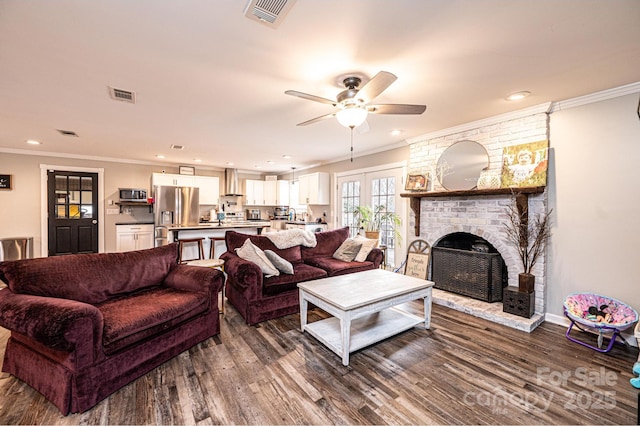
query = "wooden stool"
{"x": 212, "y": 251}
{"x": 184, "y": 241}
{"x": 212, "y": 263}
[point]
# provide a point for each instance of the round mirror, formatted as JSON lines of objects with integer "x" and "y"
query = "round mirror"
{"x": 459, "y": 166}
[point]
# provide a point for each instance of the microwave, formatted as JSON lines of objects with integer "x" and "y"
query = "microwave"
{"x": 133, "y": 194}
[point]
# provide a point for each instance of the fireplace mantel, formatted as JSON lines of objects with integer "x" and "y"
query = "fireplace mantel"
{"x": 521, "y": 194}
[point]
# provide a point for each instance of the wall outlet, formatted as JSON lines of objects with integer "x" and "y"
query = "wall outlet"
{"x": 113, "y": 211}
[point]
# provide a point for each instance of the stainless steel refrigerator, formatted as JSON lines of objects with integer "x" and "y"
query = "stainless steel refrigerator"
{"x": 174, "y": 206}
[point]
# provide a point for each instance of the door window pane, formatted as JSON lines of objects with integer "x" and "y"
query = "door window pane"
{"x": 350, "y": 199}
{"x": 61, "y": 212}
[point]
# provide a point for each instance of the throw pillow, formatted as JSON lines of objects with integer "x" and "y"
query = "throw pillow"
{"x": 281, "y": 264}
{"x": 254, "y": 254}
{"x": 348, "y": 250}
{"x": 367, "y": 246}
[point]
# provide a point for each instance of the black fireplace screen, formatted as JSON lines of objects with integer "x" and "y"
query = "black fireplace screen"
{"x": 470, "y": 273}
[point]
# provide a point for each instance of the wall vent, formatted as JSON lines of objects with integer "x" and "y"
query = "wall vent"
{"x": 122, "y": 95}
{"x": 268, "y": 12}
{"x": 68, "y": 133}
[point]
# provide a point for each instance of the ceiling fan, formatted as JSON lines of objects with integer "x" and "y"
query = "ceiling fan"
{"x": 354, "y": 102}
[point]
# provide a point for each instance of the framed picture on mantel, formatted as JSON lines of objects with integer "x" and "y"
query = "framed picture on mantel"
{"x": 5, "y": 181}
{"x": 416, "y": 182}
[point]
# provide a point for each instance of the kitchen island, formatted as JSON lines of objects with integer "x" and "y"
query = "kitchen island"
{"x": 215, "y": 231}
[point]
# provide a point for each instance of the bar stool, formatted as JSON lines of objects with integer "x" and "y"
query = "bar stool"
{"x": 181, "y": 245}
{"x": 212, "y": 251}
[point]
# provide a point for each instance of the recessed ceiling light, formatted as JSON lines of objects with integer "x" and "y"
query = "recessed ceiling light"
{"x": 396, "y": 132}
{"x": 518, "y": 95}
{"x": 197, "y": 160}
{"x": 257, "y": 167}
{"x": 32, "y": 142}
{"x": 271, "y": 162}
{"x": 286, "y": 156}
{"x": 229, "y": 163}
{"x": 159, "y": 156}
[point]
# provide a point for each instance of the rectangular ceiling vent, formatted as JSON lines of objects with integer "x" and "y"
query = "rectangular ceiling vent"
{"x": 68, "y": 133}
{"x": 122, "y": 95}
{"x": 178, "y": 147}
{"x": 268, "y": 12}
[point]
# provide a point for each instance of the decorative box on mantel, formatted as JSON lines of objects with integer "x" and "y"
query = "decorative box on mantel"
{"x": 518, "y": 302}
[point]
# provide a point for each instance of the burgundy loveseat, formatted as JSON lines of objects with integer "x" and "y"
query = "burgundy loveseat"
{"x": 83, "y": 326}
{"x": 259, "y": 298}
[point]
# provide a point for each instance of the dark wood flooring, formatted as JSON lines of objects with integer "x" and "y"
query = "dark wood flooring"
{"x": 464, "y": 370}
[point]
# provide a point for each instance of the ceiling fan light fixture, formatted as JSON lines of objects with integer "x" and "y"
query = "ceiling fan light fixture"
{"x": 351, "y": 116}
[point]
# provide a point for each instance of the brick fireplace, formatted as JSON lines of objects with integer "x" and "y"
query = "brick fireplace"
{"x": 481, "y": 215}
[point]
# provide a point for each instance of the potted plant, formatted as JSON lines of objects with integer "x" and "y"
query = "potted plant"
{"x": 530, "y": 236}
{"x": 371, "y": 220}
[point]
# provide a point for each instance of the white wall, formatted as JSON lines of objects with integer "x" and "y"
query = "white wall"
{"x": 594, "y": 178}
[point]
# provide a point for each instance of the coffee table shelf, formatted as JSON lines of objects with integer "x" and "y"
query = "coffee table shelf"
{"x": 365, "y": 330}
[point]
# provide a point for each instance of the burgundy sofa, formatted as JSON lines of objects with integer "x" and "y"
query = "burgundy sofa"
{"x": 258, "y": 298}
{"x": 83, "y": 326}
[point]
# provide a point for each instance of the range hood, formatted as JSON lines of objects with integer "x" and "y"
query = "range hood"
{"x": 231, "y": 183}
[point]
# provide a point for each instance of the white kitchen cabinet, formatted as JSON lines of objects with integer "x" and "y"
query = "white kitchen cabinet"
{"x": 314, "y": 188}
{"x": 134, "y": 237}
{"x": 254, "y": 192}
{"x": 209, "y": 189}
{"x": 270, "y": 192}
{"x": 169, "y": 179}
{"x": 282, "y": 193}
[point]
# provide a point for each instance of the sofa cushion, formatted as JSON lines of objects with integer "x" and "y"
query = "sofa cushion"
{"x": 301, "y": 272}
{"x": 339, "y": 267}
{"x": 235, "y": 240}
{"x": 281, "y": 264}
{"x": 327, "y": 243}
{"x": 367, "y": 246}
{"x": 131, "y": 319}
{"x": 90, "y": 278}
{"x": 348, "y": 250}
{"x": 253, "y": 254}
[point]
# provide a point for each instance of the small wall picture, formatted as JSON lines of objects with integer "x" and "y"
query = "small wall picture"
{"x": 5, "y": 181}
{"x": 416, "y": 182}
{"x": 525, "y": 165}
{"x": 187, "y": 170}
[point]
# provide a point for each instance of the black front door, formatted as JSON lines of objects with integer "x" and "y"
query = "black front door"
{"x": 73, "y": 212}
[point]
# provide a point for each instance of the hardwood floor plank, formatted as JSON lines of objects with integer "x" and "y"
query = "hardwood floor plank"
{"x": 464, "y": 370}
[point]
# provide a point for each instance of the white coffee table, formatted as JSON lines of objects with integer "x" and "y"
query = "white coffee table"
{"x": 364, "y": 309}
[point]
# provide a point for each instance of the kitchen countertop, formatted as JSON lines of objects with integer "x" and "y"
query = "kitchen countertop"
{"x": 134, "y": 223}
{"x": 224, "y": 225}
{"x": 298, "y": 222}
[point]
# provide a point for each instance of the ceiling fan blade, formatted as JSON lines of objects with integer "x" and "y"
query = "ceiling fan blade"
{"x": 396, "y": 109}
{"x": 315, "y": 120}
{"x": 310, "y": 97}
{"x": 376, "y": 85}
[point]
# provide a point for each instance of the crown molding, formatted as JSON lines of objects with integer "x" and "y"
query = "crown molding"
{"x": 603, "y": 95}
{"x": 513, "y": 115}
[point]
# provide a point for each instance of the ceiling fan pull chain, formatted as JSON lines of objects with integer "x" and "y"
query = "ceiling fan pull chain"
{"x": 351, "y": 127}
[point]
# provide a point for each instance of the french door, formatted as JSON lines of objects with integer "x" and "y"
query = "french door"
{"x": 375, "y": 188}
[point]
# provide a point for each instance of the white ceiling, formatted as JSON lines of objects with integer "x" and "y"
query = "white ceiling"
{"x": 208, "y": 78}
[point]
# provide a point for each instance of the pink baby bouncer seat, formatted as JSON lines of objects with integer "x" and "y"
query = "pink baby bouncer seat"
{"x": 602, "y": 315}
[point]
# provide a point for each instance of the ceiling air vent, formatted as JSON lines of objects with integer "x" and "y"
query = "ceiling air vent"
{"x": 68, "y": 133}
{"x": 122, "y": 95}
{"x": 178, "y": 147}
{"x": 268, "y": 12}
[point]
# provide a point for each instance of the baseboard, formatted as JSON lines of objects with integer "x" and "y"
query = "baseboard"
{"x": 562, "y": 320}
